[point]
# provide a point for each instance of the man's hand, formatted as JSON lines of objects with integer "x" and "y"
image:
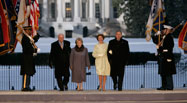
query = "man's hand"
{"x": 157, "y": 46}
{"x": 50, "y": 65}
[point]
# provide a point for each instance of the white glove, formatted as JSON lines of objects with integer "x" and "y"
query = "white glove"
{"x": 165, "y": 50}
{"x": 110, "y": 52}
{"x": 38, "y": 50}
{"x": 100, "y": 55}
{"x": 158, "y": 33}
{"x": 169, "y": 60}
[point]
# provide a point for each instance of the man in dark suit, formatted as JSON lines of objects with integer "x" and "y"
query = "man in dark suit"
{"x": 28, "y": 65}
{"x": 118, "y": 54}
{"x": 59, "y": 57}
{"x": 165, "y": 56}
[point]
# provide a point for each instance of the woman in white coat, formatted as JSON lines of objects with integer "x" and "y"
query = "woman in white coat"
{"x": 101, "y": 61}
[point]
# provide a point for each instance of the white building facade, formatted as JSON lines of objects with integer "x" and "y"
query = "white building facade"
{"x": 74, "y": 18}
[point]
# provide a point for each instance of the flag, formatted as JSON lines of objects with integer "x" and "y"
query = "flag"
{"x": 21, "y": 21}
{"x": 34, "y": 15}
{"x": 156, "y": 18}
{"x": 12, "y": 18}
{"x": 4, "y": 23}
{"x": 14, "y": 2}
{"x": 182, "y": 39}
{"x": 4, "y": 34}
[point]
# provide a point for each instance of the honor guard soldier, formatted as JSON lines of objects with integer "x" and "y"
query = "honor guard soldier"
{"x": 166, "y": 62}
{"x": 29, "y": 50}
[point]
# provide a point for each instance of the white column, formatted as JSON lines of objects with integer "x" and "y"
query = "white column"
{"x": 107, "y": 9}
{"x": 76, "y": 10}
{"x": 59, "y": 10}
{"x": 111, "y": 10}
{"x": 91, "y": 10}
{"x": 102, "y": 6}
{"x": 63, "y": 9}
{"x": 45, "y": 10}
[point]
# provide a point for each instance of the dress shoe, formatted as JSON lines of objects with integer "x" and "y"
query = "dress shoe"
{"x": 115, "y": 86}
{"x": 100, "y": 89}
{"x": 24, "y": 89}
{"x": 27, "y": 89}
{"x": 30, "y": 89}
{"x": 61, "y": 90}
{"x": 80, "y": 90}
{"x": 161, "y": 88}
{"x": 119, "y": 89}
{"x": 65, "y": 87}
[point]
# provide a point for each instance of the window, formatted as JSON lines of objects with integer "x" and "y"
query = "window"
{"x": 68, "y": 10}
{"x": 115, "y": 12}
{"x": 97, "y": 10}
{"x": 84, "y": 10}
{"x": 69, "y": 33}
{"x": 53, "y": 10}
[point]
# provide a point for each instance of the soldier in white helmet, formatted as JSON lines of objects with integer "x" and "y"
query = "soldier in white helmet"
{"x": 164, "y": 44}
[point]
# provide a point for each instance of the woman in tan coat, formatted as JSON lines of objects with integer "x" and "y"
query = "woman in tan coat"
{"x": 101, "y": 61}
{"x": 79, "y": 60}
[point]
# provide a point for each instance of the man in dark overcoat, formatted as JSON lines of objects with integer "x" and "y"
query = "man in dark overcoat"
{"x": 165, "y": 56}
{"x": 118, "y": 54}
{"x": 59, "y": 57}
{"x": 28, "y": 65}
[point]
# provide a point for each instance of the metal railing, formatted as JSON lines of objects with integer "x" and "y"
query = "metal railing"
{"x": 136, "y": 77}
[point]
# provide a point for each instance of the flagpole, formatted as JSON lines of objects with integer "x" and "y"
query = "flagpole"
{"x": 159, "y": 28}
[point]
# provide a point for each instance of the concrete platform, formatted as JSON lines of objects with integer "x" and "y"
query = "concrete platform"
{"x": 126, "y": 96}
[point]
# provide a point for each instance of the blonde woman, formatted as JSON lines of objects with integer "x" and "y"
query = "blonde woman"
{"x": 101, "y": 61}
{"x": 79, "y": 60}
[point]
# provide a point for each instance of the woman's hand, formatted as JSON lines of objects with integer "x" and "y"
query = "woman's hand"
{"x": 88, "y": 67}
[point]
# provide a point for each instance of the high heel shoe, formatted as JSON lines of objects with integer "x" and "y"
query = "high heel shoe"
{"x": 100, "y": 89}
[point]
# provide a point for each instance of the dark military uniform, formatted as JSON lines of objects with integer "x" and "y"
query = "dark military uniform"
{"x": 59, "y": 57}
{"x": 166, "y": 61}
{"x": 118, "y": 59}
{"x": 28, "y": 66}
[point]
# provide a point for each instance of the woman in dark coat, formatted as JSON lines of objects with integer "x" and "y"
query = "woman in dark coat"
{"x": 79, "y": 60}
{"x": 59, "y": 57}
{"x": 28, "y": 65}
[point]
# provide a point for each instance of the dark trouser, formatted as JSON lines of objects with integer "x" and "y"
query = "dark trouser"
{"x": 61, "y": 83}
{"x": 26, "y": 81}
{"x": 167, "y": 81}
{"x": 118, "y": 79}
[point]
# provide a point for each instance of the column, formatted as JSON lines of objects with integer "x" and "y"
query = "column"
{"x": 102, "y": 8}
{"x": 107, "y": 9}
{"x": 63, "y": 10}
{"x": 76, "y": 10}
{"x": 91, "y": 10}
{"x": 45, "y": 10}
{"x": 111, "y": 10}
{"x": 59, "y": 10}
